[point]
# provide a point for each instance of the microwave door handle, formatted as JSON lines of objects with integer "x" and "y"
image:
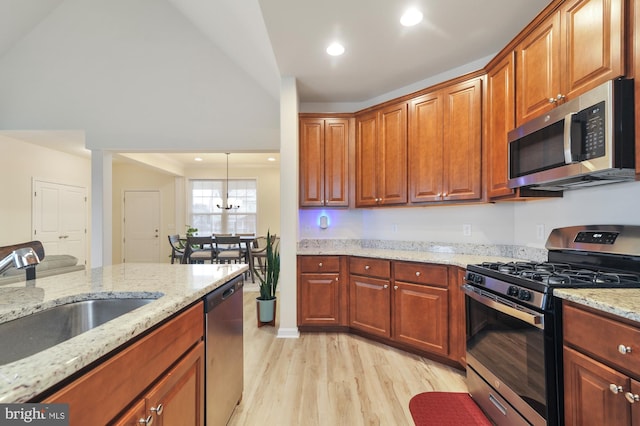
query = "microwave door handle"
{"x": 569, "y": 129}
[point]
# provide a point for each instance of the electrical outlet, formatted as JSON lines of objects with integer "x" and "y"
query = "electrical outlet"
{"x": 540, "y": 232}
{"x": 466, "y": 230}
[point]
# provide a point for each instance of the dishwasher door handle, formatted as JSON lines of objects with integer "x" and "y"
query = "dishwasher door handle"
{"x": 228, "y": 293}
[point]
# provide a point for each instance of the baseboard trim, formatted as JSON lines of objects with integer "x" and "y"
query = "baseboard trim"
{"x": 288, "y": 333}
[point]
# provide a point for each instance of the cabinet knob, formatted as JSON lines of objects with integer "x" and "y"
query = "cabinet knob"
{"x": 395, "y": 287}
{"x": 385, "y": 286}
{"x": 158, "y": 409}
{"x": 148, "y": 421}
{"x": 337, "y": 278}
{"x": 632, "y": 397}
{"x": 366, "y": 267}
{"x": 320, "y": 265}
{"x": 624, "y": 349}
{"x": 615, "y": 388}
{"x": 417, "y": 273}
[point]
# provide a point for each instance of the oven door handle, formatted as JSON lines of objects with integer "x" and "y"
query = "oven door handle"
{"x": 535, "y": 319}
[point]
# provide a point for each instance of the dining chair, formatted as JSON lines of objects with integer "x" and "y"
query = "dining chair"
{"x": 228, "y": 249}
{"x": 199, "y": 249}
{"x": 177, "y": 248}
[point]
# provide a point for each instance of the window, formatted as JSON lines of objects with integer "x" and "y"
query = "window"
{"x": 209, "y": 219}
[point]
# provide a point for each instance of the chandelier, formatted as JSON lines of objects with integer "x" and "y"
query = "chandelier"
{"x": 229, "y": 205}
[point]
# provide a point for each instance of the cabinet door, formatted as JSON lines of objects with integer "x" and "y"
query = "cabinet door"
{"x": 462, "y": 136}
{"x": 420, "y": 316}
{"x": 135, "y": 416}
{"x": 319, "y": 298}
{"x": 370, "y": 305}
{"x": 425, "y": 148}
{"x": 392, "y": 150}
{"x": 587, "y": 394}
{"x": 538, "y": 70}
{"x": 366, "y": 163}
{"x": 336, "y": 162}
{"x": 311, "y": 162}
{"x": 499, "y": 120}
{"x": 635, "y": 407}
{"x": 593, "y": 43}
{"x": 178, "y": 398}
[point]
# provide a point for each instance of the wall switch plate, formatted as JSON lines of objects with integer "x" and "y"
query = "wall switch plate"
{"x": 394, "y": 227}
{"x": 540, "y": 232}
{"x": 466, "y": 230}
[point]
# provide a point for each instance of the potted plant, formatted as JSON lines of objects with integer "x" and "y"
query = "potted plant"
{"x": 268, "y": 282}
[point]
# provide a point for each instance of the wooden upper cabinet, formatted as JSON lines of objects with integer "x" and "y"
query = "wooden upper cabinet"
{"x": 381, "y": 156}
{"x": 425, "y": 147}
{"x": 499, "y": 119}
{"x": 575, "y": 49}
{"x": 462, "y": 141}
{"x": 445, "y": 143}
{"x": 538, "y": 69}
{"x": 324, "y": 162}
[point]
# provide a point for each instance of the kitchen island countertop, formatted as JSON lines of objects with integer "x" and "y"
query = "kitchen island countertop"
{"x": 623, "y": 302}
{"x": 175, "y": 287}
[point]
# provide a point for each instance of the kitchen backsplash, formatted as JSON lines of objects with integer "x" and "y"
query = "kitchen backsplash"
{"x": 518, "y": 252}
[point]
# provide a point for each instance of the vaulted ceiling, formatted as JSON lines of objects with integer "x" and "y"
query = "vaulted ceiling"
{"x": 253, "y": 43}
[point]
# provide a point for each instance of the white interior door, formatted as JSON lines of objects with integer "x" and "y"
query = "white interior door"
{"x": 141, "y": 224}
{"x": 60, "y": 218}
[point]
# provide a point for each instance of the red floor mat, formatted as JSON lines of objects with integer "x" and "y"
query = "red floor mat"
{"x": 446, "y": 408}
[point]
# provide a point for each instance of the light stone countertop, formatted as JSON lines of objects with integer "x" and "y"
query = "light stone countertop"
{"x": 623, "y": 302}
{"x": 175, "y": 287}
{"x": 443, "y": 258}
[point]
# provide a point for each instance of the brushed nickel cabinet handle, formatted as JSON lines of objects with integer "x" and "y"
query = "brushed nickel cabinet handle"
{"x": 385, "y": 286}
{"x": 148, "y": 421}
{"x": 366, "y": 267}
{"x": 320, "y": 265}
{"x": 395, "y": 287}
{"x": 615, "y": 388}
{"x": 417, "y": 273}
{"x": 158, "y": 409}
{"x": 623, "y": 349}
{"x": 632, "y": 397}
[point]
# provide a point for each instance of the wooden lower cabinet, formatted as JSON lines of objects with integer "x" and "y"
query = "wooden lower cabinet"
{"x": 158, "y": 378}
{"x": 601, "y": 377}
{"x": 370, "y": 305}
{"x": 322, "y": 291}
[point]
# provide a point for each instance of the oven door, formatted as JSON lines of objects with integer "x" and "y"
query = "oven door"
{"x": 506, "y": 353}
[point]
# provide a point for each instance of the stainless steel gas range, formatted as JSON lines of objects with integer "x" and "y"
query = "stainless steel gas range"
{"x": 514, "y": 324}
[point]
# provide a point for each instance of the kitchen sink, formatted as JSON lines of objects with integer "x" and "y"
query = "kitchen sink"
{"x": 33, "y": 333}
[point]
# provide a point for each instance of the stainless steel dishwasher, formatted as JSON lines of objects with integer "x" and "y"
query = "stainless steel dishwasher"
{"x": 223, "y": 351}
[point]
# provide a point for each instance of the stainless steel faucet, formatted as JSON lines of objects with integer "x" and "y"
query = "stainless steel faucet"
{"x": 21, "y": 258}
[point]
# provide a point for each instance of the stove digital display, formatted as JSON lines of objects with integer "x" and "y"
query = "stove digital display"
{"x": 591, "y": 237}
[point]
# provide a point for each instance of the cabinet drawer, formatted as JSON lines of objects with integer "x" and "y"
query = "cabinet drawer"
{"x": 319, "y": 264}
{"x": 421, "y": 273}
{"x": 370, "y": 267}
{"x": 603, "y": 338}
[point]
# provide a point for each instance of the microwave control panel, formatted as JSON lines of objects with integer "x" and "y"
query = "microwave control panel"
{"x": 592, "y": 131}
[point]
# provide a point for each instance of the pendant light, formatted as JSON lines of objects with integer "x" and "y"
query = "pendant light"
{"x": 228, "y": 206}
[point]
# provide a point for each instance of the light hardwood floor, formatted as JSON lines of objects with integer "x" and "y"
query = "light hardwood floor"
{"x": 331, "y": 379}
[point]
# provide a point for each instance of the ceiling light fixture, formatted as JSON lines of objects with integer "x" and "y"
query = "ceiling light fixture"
{"x": 197, "y": 159}
{"x": 271, "y": 159}
{"x": 335, "y": 49}
{"x": 229, "y": 205}
{"x": 411, "y": 17}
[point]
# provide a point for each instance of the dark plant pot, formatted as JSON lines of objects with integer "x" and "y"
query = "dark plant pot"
{"x": 266, "y": 312}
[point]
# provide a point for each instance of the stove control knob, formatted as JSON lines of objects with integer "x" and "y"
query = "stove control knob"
{"x": 513, "y": 290}
{"x": 478, "y": 279}
{"x": 524, "y": 294}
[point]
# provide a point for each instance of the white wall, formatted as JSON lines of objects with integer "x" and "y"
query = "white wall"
{"x": 617, "y": 204}
{"x": 20, "y": 163}
{"x": 136, "y": 76}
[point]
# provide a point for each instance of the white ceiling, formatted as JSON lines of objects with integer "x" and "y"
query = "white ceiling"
{"x": 272, "y": 38}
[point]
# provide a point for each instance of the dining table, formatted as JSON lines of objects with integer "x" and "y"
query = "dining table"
{"x": 246, "y": 240}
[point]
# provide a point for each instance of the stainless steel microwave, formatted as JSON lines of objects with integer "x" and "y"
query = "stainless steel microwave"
{"x": 587, "y": 141}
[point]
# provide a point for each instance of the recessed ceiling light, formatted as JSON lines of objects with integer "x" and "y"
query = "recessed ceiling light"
{"x": 271, "y": 159}
{"x": 411, "y": 17}
{"x": 335, "y": 49}
{"x": 197, "y": 159}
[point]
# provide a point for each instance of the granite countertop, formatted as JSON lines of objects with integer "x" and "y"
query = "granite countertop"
{"x": 623, "y": 302}
{"x": 443, "y": 258}
{"x": 175, "y": 287}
